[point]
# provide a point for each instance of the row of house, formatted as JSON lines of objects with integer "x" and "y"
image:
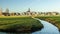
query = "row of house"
{"x": 6, "y": 13}
{"x": 28, "y": 13}
{"x": 49, "y": 14}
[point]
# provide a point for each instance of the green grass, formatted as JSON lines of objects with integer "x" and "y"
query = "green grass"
{"x": 52, "y": 19}
{"x": 19, "y": 24}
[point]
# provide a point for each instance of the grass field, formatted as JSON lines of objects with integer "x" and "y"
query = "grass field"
{"x": 19, "y": 24}
{"x": 52, "y": 19}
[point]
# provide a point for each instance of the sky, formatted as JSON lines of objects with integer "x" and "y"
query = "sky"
{"x": 34, "y": 5}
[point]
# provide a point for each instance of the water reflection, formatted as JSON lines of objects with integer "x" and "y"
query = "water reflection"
{"x": 48, "y": 28}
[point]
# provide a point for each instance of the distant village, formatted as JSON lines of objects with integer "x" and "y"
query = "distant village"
{"x": 28, "y": 13}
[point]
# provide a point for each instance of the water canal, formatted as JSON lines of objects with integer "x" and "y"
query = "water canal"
{"x": 48, "y": 28}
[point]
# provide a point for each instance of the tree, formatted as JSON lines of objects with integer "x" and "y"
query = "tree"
{"x": 0, "y": 11}
{"x": 7, "y": 10}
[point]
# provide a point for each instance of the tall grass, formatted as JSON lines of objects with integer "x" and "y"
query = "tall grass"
{"x": 19, "y": 24}
{"x": 52, "y": 19}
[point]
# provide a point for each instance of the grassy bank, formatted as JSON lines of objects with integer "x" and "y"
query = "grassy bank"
{"x": 52, "y": 19}
{"x": 19, "y": 24}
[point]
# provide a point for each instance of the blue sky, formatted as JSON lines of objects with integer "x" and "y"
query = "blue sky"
{"x": 35, "y": 5}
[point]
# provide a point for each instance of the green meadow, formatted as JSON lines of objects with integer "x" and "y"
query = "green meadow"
{"x": 55, "y": 20}
{"x": 19, "y": 24}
